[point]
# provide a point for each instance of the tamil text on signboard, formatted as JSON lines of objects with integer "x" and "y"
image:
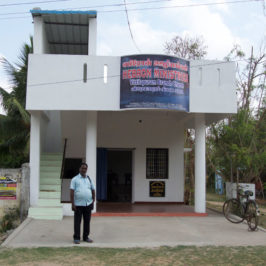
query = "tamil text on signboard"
{"x": 154, "y": 81}
{"x": 157, "y": 189}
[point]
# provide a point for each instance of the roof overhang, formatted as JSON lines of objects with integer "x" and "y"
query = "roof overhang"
{"x": 66, "y": 31}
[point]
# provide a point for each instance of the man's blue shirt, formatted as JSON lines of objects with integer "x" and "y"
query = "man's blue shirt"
{"x": 82, "y": 187}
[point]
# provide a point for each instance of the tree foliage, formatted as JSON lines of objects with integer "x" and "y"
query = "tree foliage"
{"x": 15, "y": 125}
{"x": 186, "y": 47}
{"x": 237, "y": 145}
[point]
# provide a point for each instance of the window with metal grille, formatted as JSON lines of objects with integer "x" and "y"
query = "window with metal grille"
{"x": 157, "y": 163}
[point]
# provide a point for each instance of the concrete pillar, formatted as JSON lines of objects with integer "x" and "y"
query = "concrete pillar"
{"x": 35, "y": 149}
{"x": 92, "y": 47}
{"x": 24, "y": 190}
{"x": 40, "y": 44}
{"x": 200, "y": 165}
{"x": 91, "y": 145}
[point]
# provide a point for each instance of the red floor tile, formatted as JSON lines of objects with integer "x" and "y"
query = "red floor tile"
{"x": 145, "y": 209}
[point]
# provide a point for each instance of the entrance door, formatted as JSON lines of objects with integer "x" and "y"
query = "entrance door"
{"x": 119, "y": 175}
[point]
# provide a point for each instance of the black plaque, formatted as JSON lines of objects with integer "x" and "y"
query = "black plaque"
{"x": 157, "y": 189}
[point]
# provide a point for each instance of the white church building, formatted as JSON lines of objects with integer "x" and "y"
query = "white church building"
{"x": 124, "y": 116}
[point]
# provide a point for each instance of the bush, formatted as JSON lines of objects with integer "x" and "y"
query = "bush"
{"x": 12, "y": 160}
{"x": 9, "y": 220}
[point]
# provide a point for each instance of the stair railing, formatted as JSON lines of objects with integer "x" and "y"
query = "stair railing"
{"x": 63, "y": 161}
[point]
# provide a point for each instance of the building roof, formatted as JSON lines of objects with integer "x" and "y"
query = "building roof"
{"x": 66, "y": 31}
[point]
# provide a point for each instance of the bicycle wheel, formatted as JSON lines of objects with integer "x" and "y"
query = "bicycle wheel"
{"x": 233, "y": 211}
{"x": 252, "y": 217}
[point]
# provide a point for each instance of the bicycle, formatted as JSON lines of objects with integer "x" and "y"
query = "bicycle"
{"x": 238, "y": 210}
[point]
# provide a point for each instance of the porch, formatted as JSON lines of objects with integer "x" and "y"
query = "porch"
{"x": 145, "y": 209}
{"x": 130, "y": 155}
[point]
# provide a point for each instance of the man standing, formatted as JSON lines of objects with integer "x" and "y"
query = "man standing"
{"x": 82, "y": 196}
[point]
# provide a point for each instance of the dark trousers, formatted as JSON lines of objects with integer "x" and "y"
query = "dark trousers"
{"x": 86, "y": 213}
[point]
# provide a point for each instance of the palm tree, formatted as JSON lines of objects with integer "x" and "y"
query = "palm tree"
{"x": 15, "y": 125}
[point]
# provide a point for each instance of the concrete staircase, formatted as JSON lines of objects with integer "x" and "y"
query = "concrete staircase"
{"x": 49, "y": 205}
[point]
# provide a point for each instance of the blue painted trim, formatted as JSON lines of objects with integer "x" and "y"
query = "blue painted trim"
{"x": 91, "y": 12}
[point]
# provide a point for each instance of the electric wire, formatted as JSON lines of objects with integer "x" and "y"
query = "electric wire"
{"x": 30, "y": 3}
{"x": 98, "y": 6}
{"x": 129, "y": 27}
{"x": 183, "y": 6}
{"x": 150, "y": 8}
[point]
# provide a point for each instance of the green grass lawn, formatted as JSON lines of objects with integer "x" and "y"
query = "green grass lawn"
{"x": 211, "y": 196}
{"x": 180, "y": 255}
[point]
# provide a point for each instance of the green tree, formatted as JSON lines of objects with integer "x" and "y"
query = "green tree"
{"x": 15, "y": 125}
{"x": 240, "y": 144}
{"x": 236, "y": 146}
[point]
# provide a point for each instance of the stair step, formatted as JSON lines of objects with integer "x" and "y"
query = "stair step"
{"x": 50, "y": 195}
{"x": 51, "y": 163}
{"x": 52, "y": 157}
{"x": 49, "y": 203}
{"x": 48, "y": 213}
{"x": 52, "y": 153}
{"x": 50, "y": 181}
{"x": 50, "y": 175}
{"x": 54, "y": 169}
{"x": 45, "y": 210}
{"x": 56, "y": 160}
{"x": 46, "y": 217}
{"x": 45, "y": 187}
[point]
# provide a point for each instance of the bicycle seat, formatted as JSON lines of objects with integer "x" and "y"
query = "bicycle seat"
{"x": 248, "y": 193}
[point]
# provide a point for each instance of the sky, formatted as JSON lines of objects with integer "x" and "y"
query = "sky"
{"x": 221, "y": 23}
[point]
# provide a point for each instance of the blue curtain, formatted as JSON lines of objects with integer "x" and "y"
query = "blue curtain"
{"x": 101, "y": 188}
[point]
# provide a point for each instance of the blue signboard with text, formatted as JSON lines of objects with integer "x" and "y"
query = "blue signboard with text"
{"x": 154, "y": 81}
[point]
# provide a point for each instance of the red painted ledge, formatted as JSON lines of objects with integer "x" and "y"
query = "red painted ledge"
{"x": 160, "y": 214}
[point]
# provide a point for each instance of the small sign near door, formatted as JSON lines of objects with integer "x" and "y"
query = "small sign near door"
{"x": 157, "y": 188}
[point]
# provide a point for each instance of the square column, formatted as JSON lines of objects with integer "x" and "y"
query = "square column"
{"x": 92, "y": 42}
{"x": 91, "y": 145}
{"x": 35, "y": 148}
{"x": 200, "y": 165}
{"x": 40, "y": 44}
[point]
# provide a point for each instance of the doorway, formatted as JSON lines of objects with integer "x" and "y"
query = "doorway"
{"x": 119, "y": 175}
{"x": 114, "y": 175}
